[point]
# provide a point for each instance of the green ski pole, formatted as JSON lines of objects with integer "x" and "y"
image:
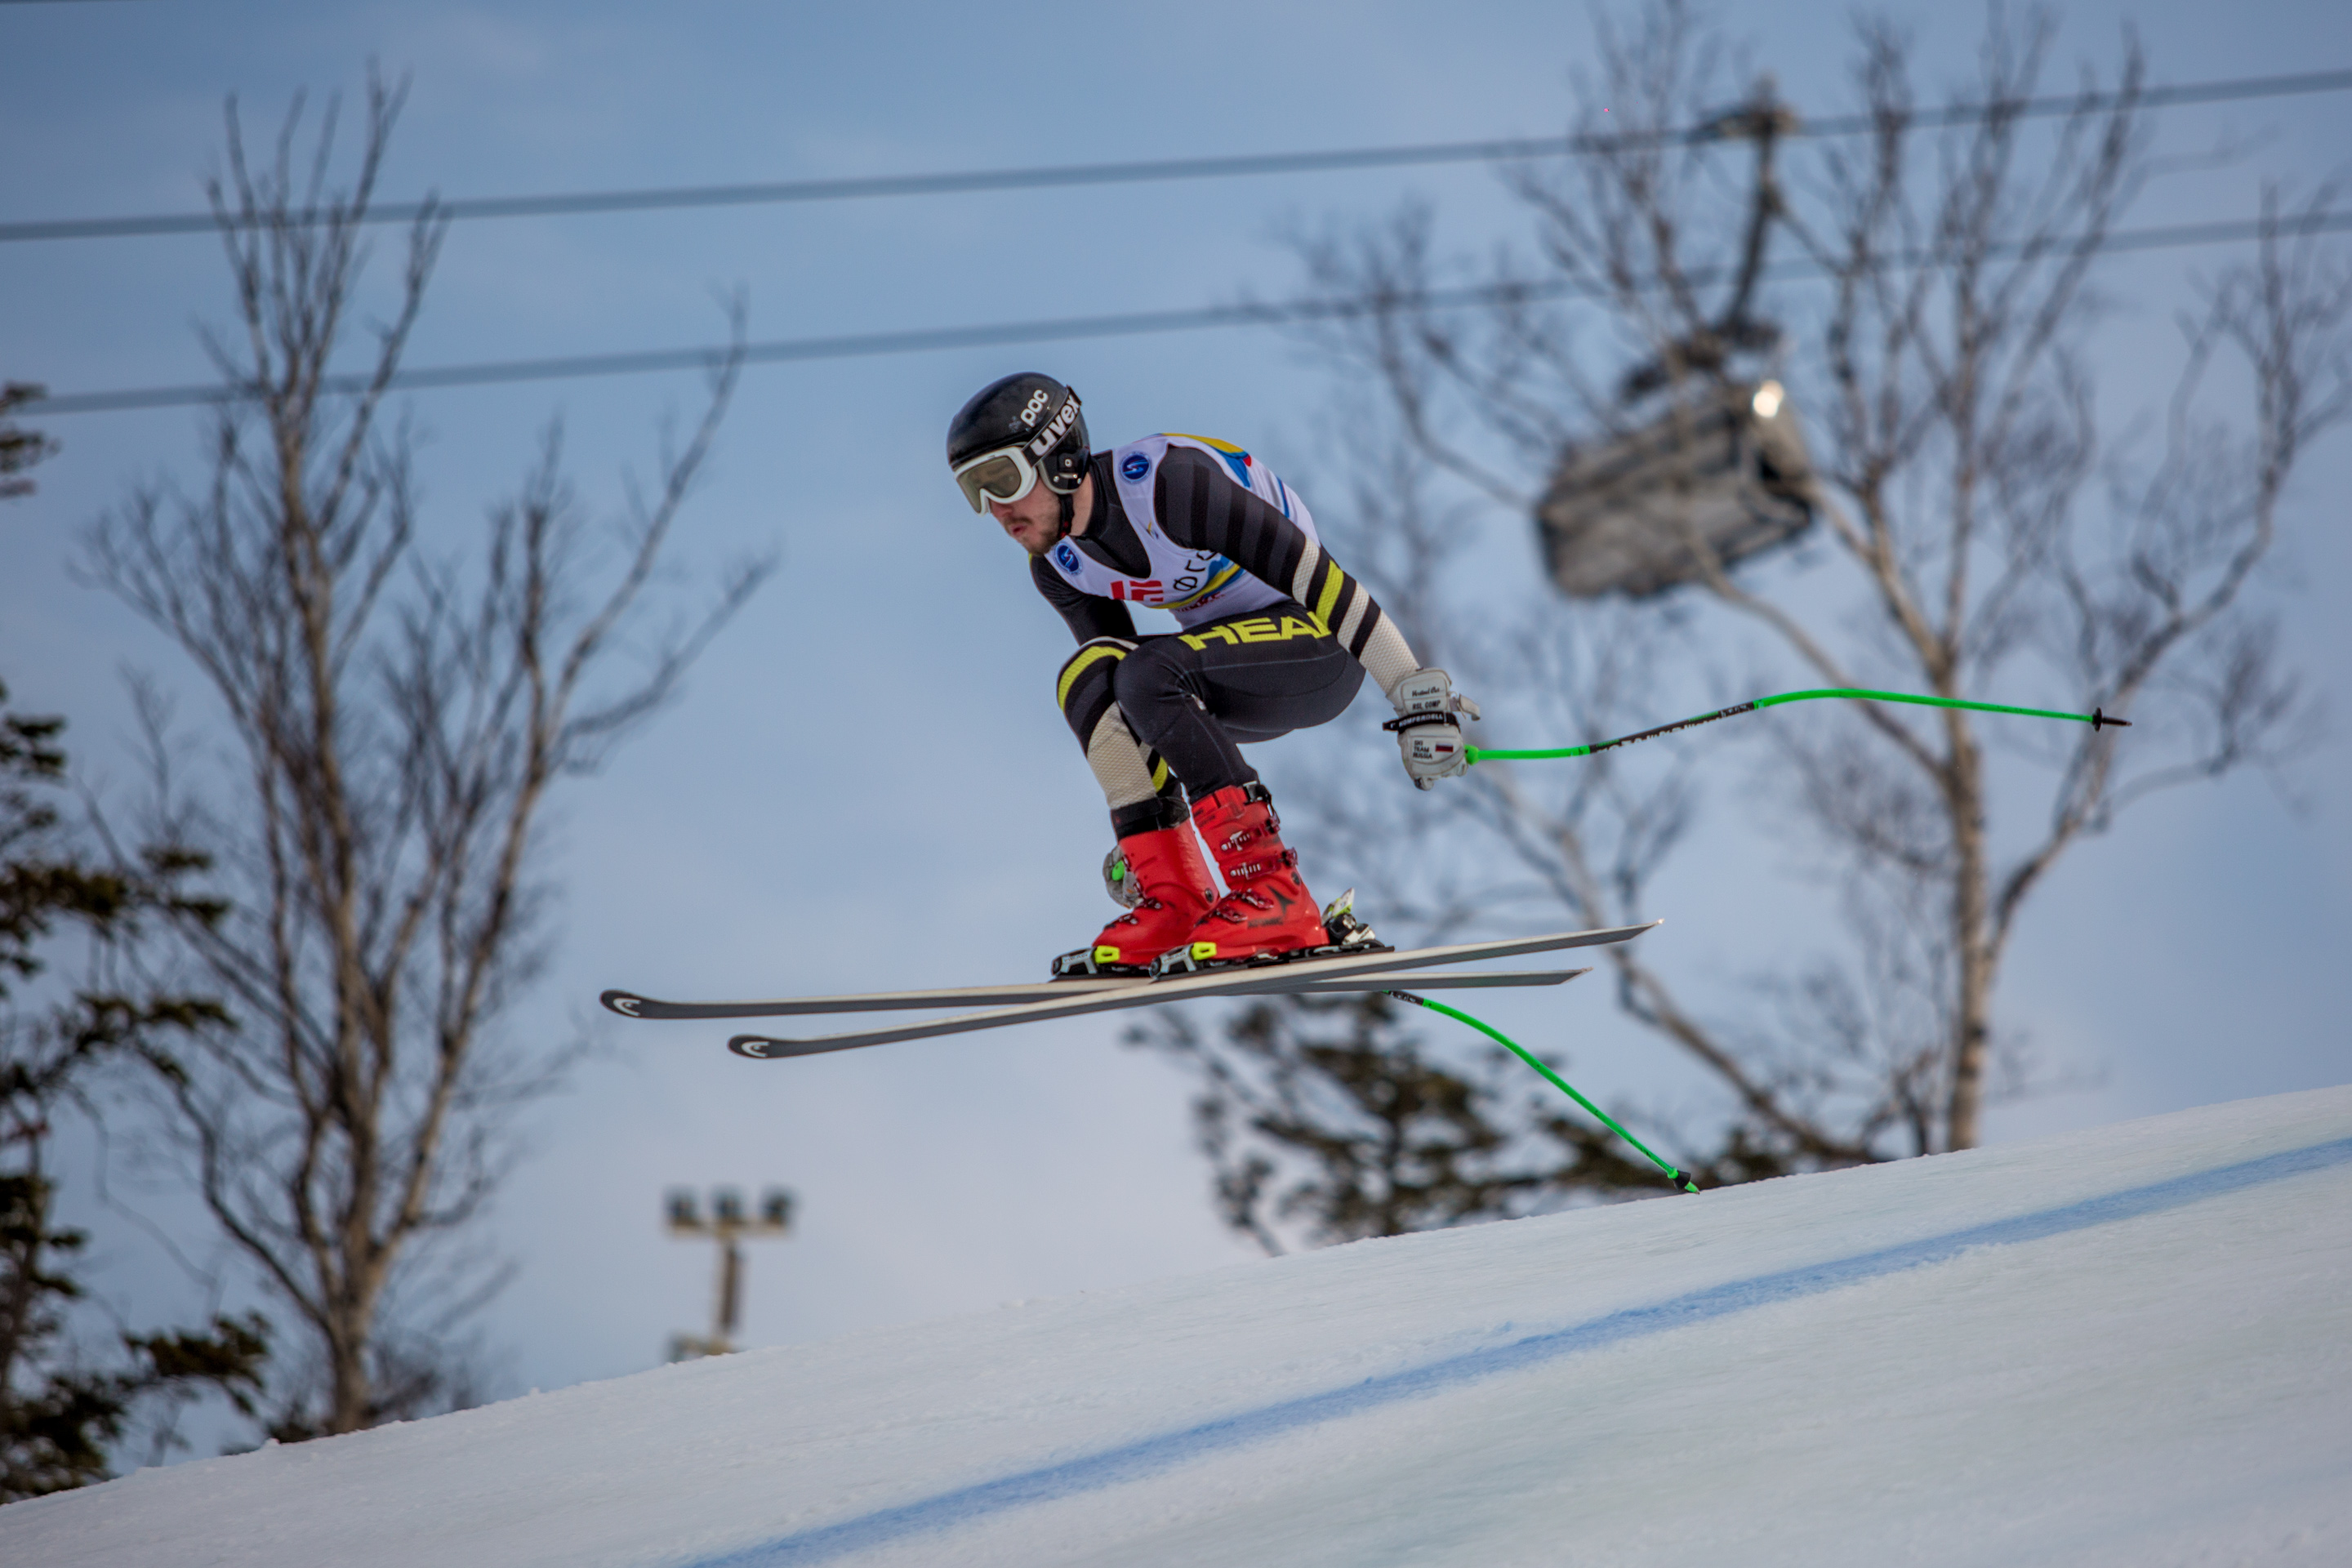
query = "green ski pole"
{"x": 1682, "y": 1179}
{"x": 2095, "y": 719}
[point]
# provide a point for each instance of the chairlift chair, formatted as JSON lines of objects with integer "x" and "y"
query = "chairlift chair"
{"x": 1720, "y": 474}
{"x": 1722, "y": 471}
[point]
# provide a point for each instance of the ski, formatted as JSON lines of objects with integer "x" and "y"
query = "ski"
{"x": 1358, "y": 970}
{"x": 630, "y": 1004}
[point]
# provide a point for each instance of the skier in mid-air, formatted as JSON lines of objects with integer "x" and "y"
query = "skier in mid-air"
{"x": 1273, "y": 636}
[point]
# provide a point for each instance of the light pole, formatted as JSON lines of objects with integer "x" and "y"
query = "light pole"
{"x": 728, "y": 1225}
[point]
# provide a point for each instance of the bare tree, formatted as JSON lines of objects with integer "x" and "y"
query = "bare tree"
{"x": 397, "y": 721}
{"x": 1986, "y": 532}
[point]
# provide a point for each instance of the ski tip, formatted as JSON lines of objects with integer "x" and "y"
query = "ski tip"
{"x": 759, "y": 1047}
{"x": 625, "y": 1002}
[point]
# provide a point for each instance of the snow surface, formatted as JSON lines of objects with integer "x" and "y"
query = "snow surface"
{"x": 2129, "y": 1346}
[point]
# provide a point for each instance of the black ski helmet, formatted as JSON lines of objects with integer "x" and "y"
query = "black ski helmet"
{"x": 1033, "y": 412}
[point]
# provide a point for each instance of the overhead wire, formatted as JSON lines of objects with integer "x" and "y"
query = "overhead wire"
{"x": 1133, "y": 323}
{"x": 1490, "y": 149}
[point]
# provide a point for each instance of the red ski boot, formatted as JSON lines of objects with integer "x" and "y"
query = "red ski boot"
{"x": 1266, "y": 913}
{"x": 1169, "y": 890}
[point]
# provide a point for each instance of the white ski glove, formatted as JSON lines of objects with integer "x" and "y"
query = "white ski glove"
{"x": 1427, "y": 731}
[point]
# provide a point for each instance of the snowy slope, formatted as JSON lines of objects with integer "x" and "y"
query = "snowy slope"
{"x": 2130, "y": 1346}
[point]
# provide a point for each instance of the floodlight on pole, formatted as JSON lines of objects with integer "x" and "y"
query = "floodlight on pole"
{"x": 729, "y": 1226}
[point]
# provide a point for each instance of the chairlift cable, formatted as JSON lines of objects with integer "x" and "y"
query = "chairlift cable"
{"x": 1491, "y": 149}
{"x": 1067, "y": 329}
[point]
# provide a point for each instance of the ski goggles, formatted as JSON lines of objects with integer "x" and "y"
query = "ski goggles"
{"x": 1004, "y": 477}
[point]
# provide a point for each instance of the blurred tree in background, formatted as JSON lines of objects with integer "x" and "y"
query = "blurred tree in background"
{"x": 1967, "y": 524}
{"x": 20, "y": 448}
{"x": 384, "y": 727}
{"x": 1326, "y": 1121}
{"x": 62, "y": 1410}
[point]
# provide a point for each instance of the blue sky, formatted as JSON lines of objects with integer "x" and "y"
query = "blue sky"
{"x": 2195, "y": 956}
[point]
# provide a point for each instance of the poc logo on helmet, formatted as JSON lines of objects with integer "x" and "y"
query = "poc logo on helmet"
{"x": 1036, "y": 409}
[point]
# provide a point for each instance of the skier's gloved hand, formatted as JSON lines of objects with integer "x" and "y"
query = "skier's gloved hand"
{"x": 1427, "y": 732}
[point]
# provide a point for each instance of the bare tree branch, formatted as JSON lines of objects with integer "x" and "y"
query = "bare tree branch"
{"x": 1946, "y": 357}
{"x": 399, "y": 721}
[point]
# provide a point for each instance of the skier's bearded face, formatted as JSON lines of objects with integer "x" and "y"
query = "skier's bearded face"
{"x": 1035, "y": 520}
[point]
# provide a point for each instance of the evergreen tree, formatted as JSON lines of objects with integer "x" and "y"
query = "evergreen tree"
{"x": 59, "y": 1416}
{"x": 1326, "y": 1119}
{"x": 19, "y": 449}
